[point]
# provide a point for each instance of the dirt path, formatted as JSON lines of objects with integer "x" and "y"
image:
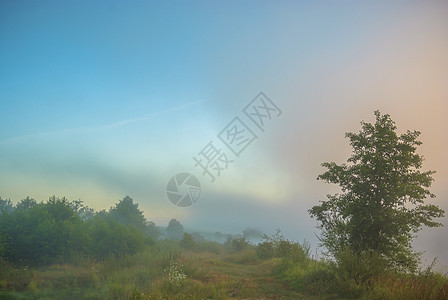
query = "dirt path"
{"x": 259, "y": 275}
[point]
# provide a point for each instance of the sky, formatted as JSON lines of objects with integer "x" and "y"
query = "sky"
{"x": 99, "y": 100}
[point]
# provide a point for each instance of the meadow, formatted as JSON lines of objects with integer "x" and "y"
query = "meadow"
{"x": 186, "y": 269}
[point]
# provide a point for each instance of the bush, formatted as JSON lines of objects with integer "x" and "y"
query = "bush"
{"x": 188, "y": 241}
{"x": 2, "y": 246}
{"x": 314, "y": 278}
{"x": 42, "y": 233}
{"x": 113, "y": 238}
{"x": 277, "y": 246}
{"x": 209, "y": 246}
{"x": 359, "y": 267}
{"x": 265, "y": 250}
{"x": 239, "y": 244}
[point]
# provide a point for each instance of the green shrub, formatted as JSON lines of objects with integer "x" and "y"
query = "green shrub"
{"x": 209, "y": 246}
{"x": 314, "y": 278}
{"x": 239, "y": 244}
{"x": 265, "y": 250}
{"x": 113, "y": 238}
{"x": 188, "y": 241}
{"x": 359, "y": 267}
{"x": 246, "y": 256}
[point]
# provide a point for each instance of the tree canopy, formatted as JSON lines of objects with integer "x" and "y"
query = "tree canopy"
{"x": 381, "y": 205}
{"x": 175, "y": 230}
{"x": 59, "y": 230}
{"x": 127, "y": 213}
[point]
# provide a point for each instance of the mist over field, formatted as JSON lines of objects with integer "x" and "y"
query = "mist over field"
{"x": 107, "y": 101}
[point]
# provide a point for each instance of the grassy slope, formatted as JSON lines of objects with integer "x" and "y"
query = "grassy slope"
{"x": 213, "y": 276}
{"x": 214, "y": 272}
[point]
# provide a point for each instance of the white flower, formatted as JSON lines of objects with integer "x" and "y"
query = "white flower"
{"x": 175, "y": 273}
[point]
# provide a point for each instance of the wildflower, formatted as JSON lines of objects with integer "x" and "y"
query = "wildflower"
{"x": 175, "y": 273}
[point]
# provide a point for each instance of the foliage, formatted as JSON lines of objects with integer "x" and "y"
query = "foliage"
{"x": 85, "y": 212}
{"x": 209, "y": 246}
{"x": 188, "y": 241}
{"x": 113, "y": 238}
{"x": 164, "y": 272}
{"x": 62, "y": 231}
{"x": 361, "y": 276}
{"x": 252, "y": 234}
{"x": 381, "y": 205}
{"x": 6, "y": 206}
{"x": 152, "y": 230}
{"x": 239, "y": 244}
{"x": 42, "y": 233}
{"x": 265, "y": 250}
{"x": 276, "y": 245}
{"x": 2, "y": 246}
{"x": 127, "y": 213}
{"x": 175, "y": 230}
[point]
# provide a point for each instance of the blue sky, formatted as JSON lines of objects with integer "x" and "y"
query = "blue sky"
{"x": 99, "y": 100}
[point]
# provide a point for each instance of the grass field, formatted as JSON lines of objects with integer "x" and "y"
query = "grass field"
{"x": 209, "y": 271}
{"x": 146, "y": 275}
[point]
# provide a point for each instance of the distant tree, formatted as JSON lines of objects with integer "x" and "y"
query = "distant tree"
{"x": 219, "y": 237}
{"x": 381, "y": 205}
{"x": 127, "y": 213}
{"x": 82, "y": 210}
{"x": 60, "y": 209}
{"x": 26, "y": 204}
{"x": 2, "y": 246}
{"x": 175, "y": 230}
{"x": 6, "y": 206}
{"x": 152, "y": 230}
{"x": 252, "y": 234}
{"x": 42, "y": 233}
{"x": 54, "y": 232}
{"x": 188, "y": 241}
{"x": 239, "y": 244}
{"x": 197, "y": 237}
{"x": 6, "y": 209}
{"x": 111, "y": 237}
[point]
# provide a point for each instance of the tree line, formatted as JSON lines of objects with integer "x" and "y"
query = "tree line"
{"x": 60, "y": 230}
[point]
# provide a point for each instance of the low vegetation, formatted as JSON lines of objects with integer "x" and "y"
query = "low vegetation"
{"x": 275, "y": 268}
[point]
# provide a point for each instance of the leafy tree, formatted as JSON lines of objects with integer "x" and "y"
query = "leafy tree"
{"x": 175, "y": 230}
{"x": 6, "y": 206}
{"x": 85, "y": 212}
{"x": 2, "y": 246}
{"x": 381, "y": 205}
{"x": 59, "y": 230}
{"x": 60, "y": 209}
{"x": 127, "y": 213}
{"x": 110, "y": 237}
{"x": 26, "y": 204}
{"x": 42, "y": 233}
